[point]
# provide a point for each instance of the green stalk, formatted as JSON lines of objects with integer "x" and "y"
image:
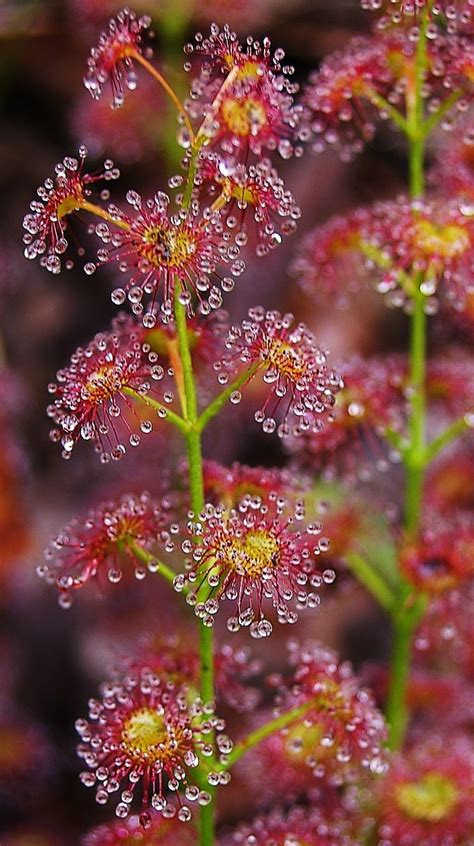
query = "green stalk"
{"x": 196, "y": 490}
{"x": 409, "y": 609}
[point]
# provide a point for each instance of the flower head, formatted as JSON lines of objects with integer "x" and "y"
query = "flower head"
{"x": 300, "y": 826}
{"x": 228, "y": 485}
{"x": 147, "y": 731}
{"x": 441, "y": 560}
{"x": 345, "y": 732}
{"x": 253, "y": 197}
{"x": 301, "y": 388}
{"x": 148, "y": 829}
{"x": 244, "y": 95}
{"x": 427, "y": 795}
{"x": 112, "y": 60}
{"x": 90, "y": 395}
{"x": 390, "y": 245}
{"x": 450, "y": 482}
{"x": 371, "y": 401}
{"x": 101, "y": 545}
{"x": 250, "y": 555}
{"x": 453, "y": 171}
{"x": 158, "y": 249}
{"x": 450, "y": 16}
{"x": 60, "y": 198}
{"x": 445, "y": 637}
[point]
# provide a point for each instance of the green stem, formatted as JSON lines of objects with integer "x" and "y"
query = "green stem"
{"x": 369, "y": 577}
{"x": 458, "y": 427}
{"x": 256, "y": 737}
{"x": 163, "y": 410}
{"x": 196, "y": 489}
{"x": 383, "y": 105}
{"x": 218, "y": 402}
{"x": 409, "y": 607}
{"x": 146, "y": 556}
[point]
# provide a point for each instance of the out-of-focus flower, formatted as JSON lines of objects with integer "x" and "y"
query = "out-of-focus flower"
{"x": 427, "y": 795}
{"x": 370, "y": 403}
{"x": 448, "y": 15}
{"x": 343, "y": 734}
{"x": 391, "y": 245}
{"x": 301, "y": 387}
{"x": 26, "y": 756}
{"x": 176, "y": 657}
{"x": 60, "y": 198}
{"x": 148, "y": 731}
{"x": 250, "y": 555}
{"x": 253, "y": 198}
{"x": 373, "y": 74}
{"x": 450, "y": 383}
{"x": 442, "y": 559}
{"x": 445, "y": 637}
{"x": 102, "y": 545}
{"x": 112, "y": 61}
{"x": 453, "y": 170}
{"x": 299, "y": 826}
{"x": 14, "y": 525}
{"x": 244, "y": 95}
{"x": 450, "y": 482}
{"x": 90, "y": 399}
{"x": 157, "y": 250}
{"x": 157, "y": 831}
{"x": 228, "y": 485}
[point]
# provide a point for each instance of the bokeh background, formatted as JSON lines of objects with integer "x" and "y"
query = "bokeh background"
{"x": 53, "y": 660}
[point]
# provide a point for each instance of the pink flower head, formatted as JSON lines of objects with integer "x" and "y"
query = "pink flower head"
{"x": 345, "y": 732}
{"x": 249, "y": 555}
{"x": 453, "y": 171}
{"x": 427, "y": 795}
{"x": 245, "y": 96}
{"x": 328, "y": 262}
{"x": 228, "y": 485}
{"x": 156, "y": 250}
{"x": 400, "y": 240}
{"x": 301, "y": 387}
{"x": 299, "y": 826}
{"x": 450, "y": 16}
{"x": 250, "y": 198}
{"x": 371, "y": 401}
{"x": 446, "y": 634}
{"x": 176, "y": 658}
{"x": 148, "y": 731}
{"x": 112, "y": 60}
{"x": 101, "y": 545}
{"x": 47, "y": 222}
{"x": 340, "y": 95}
{"x": 442, "y": 559}
{"x": 90, "y": 395}
{"x": 450, "y": 482}
{"x": 149, "y": 829}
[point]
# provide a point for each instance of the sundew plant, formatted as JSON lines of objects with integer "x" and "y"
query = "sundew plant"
{"x": 235, "y": 702}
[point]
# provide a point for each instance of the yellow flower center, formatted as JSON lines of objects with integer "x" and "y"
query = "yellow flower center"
{"x": 145, "y": 735}
{"x": 284, "y": 358}
{"x": 431, "y": 799}
{"x": 102, "y": 384}
{"x": 244, "y": 117}
{"x": 71, "y": 203}
{"x": 446, "y": 241}
{"x": 254, "y": 553}
{"x": 168, "y": 246}
{"x": 303, "y": 742}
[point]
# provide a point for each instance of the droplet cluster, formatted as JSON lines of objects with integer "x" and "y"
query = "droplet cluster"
{"x": 344, "y": 733}
{"x": 301, "y": 388}
{"x": 58, "y": 198}
{"x": 89, "y": 398}
{"x": 112, "y": 60}
{"x": 295, "y": 828}
{"x": 151, "y": 733}
{"x": 252, "y": 198}
{"x": 156, "y": 250}
{"x": 102, "y": 544}
{"x": 253, "y": 109}
{"x": 253, "y": 556}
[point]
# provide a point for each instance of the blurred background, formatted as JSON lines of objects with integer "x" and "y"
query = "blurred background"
{"x": 53, "y": 660}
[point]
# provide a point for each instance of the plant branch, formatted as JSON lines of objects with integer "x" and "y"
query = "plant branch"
{"x": 162, "y": 410}
{"x": 218, "y": 402}
{"x": 371, "y": 580}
